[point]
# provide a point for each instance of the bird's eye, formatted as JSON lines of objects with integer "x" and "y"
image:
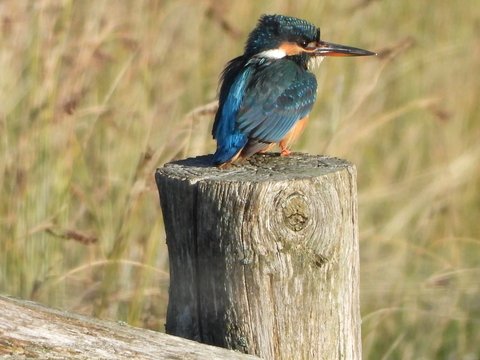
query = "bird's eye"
{"x": 304, "y": 43}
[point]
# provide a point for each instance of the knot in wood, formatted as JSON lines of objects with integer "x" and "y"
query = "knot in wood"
{"x": 295, "y": 211}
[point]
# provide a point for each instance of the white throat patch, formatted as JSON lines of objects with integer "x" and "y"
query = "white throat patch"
{"x": 314, "y": 62}
{"x": 272, "y": 54}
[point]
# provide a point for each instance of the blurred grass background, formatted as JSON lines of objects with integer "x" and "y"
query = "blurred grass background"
{"x": 96, "y": 94}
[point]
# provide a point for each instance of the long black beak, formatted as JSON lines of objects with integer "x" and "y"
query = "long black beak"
{"x": 329, "y": 49}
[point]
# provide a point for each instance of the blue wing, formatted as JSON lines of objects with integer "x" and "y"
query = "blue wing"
{"x": 230, "y": 139}
{"x": 265, "y": 101}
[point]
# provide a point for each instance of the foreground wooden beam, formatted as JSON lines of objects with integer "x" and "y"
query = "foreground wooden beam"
{"x": 264, "y": 256}
{"x": 32, "y": 331}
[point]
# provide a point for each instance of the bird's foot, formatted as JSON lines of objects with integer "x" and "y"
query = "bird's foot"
{"x": 285, "y": 152}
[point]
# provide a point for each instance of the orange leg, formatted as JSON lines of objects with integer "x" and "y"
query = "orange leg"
{"x": 289, "y": 139}
{"x": 285, "y": 149}
{"x": 238, "y": 157}
{"x": 229, "y": 162}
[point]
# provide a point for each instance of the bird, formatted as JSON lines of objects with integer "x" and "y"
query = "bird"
{"x": 267, "y": 94}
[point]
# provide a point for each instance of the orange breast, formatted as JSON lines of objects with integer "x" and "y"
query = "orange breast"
{"x": 294, "y": 134}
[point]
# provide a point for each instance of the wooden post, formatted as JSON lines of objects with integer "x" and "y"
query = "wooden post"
{"x": 264, "y": 256}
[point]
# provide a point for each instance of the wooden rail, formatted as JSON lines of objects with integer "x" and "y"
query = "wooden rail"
{"x": 264, "y": 256}
{"x": 32, "y": 331}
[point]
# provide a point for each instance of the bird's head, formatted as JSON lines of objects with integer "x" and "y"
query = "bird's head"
{"x": 278, "y": 36}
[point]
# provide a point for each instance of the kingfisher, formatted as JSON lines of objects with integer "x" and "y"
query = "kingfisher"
{"x": 267, "y": 93}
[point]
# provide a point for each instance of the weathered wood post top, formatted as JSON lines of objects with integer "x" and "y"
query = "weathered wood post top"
{"x": 264, "y": 256}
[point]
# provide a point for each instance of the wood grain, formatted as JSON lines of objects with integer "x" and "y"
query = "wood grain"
{"x": 264, "y": 256}
{"x": 32, "y": 331}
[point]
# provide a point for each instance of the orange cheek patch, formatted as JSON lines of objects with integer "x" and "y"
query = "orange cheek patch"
{"x": 290, "y": 48}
